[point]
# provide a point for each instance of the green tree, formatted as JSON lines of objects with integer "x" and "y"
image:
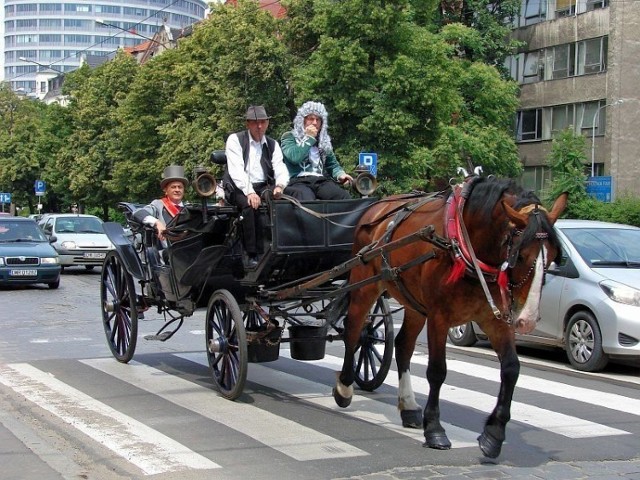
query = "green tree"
{"x": 21, "y": 131}
{"x": 407, "y": 91}
{"x": 91, "y": 151}
{"x": 566, "y": 162}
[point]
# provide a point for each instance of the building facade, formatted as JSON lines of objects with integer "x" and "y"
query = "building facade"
{"x": 56, "y": 35}
{"x": 580, "y": 68}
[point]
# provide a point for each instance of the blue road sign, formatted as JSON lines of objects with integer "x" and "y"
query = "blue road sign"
{"x": 5, "y": 198}
{"x": 369, "y": 160}
{"x": 599, "y": 188}
{"x": 40, "y": 187}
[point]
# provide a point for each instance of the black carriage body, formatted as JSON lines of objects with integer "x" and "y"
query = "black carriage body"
{"x": 302, "y": 244}
{"x": 209, "y": 255}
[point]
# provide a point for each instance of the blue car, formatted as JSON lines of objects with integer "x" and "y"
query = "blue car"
{"x": 26, "y": 257}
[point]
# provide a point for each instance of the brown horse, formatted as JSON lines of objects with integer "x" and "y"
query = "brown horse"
{"x": 491, "y": 245}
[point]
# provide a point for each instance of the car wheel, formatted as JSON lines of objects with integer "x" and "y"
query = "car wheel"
{"x": 463, "y": 335}
{"x": 54, "y": 285}
{"x": 583, "y": 342}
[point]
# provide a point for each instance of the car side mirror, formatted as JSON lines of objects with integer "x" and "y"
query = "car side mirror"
{"x": 53, "y": 239}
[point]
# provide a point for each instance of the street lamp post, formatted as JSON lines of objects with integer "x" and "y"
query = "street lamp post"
{"x": 24, "y": 59}
{"x": 131, "y": 32}
{"x": 593, "y": 134}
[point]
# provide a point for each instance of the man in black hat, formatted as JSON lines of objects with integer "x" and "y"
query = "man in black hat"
{"x": 160, "y": 212}
{"x": 254, "y": 163}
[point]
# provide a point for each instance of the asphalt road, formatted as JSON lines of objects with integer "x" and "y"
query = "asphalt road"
{"x": 69, "y": 410}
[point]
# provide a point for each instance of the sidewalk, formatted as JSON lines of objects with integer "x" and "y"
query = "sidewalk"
{"x": 609, "y": 470}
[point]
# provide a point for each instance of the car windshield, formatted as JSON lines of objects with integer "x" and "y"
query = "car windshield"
{"x": 78, "y": 225}
{"x": 13, "y": 231}
{"x": 606, "y": 247}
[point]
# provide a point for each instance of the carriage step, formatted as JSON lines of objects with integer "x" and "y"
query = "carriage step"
{"x": 160, "y": 337}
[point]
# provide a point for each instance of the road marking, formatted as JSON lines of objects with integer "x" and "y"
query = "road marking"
{"x": 487, "y": 352}
{"x": 566, "y": 425}
{"x": 579, "y": 394}
{"x": 292, "y": 439}
{"x": 148, "y": 449}
{"x": 362, "y": 408}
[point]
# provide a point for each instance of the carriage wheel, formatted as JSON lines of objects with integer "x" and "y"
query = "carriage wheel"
{"x": 226, "y": 344}
{"x": 373, "y": 356}
{"x": 119, "y": 309}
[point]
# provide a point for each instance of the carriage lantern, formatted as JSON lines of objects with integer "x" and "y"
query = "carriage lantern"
{"x": 204, "y": 183}
{"x": 365, "y": 183}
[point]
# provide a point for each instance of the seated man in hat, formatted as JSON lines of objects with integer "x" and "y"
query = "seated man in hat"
{"x": 160, "y": 212}
{"x": 254, "y": 163}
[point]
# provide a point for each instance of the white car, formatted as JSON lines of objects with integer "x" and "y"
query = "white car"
{"x": 590, "y": 301}
{"x": 79, "y": 239}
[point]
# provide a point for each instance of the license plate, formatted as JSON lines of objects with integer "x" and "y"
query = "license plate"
{"x": 23, "y": 273}
{"x": 94, "y": 255}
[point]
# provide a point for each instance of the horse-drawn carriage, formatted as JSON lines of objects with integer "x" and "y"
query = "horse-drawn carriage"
{"x": 248, "y": 317}
{"x": 327, "y": 272}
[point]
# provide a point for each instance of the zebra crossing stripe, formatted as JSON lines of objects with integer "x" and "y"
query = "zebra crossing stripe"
{"x": 148, "y": 449}
{"x": 292, "y": 439}
{"x": 362, "y": 408}
{"x": 554, "y": 422}
{"x": 580, "y": 394}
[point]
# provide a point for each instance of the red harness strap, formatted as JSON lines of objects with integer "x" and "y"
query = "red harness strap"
{"x": 171, "y": 207}
{"x": 462, "y": 260}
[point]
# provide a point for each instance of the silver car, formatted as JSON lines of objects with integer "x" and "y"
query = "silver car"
{"x": 591, "y": 301}
{"x": 79, "y": 239}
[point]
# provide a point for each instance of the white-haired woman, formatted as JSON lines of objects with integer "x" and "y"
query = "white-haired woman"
{"x": 308, "y": 154}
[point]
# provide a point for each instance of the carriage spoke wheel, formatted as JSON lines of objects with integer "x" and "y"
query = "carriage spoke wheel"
{"x": 373, "y": 356}
{"x": 119, "y": 309}
{"x": 226, "y": 344}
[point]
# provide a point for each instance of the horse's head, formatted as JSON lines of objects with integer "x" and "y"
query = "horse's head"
{"x": 531, "y": 246}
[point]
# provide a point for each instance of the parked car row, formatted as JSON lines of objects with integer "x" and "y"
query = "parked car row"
{"x": 33, "y": 253}
{"x": 591, "y": 299}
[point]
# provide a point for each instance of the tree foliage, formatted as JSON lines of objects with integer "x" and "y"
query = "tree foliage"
{"x": 416, "y": 81}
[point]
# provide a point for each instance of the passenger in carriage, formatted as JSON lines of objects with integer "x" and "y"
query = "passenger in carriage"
{"x": 254, "y": 164}
{"x": 160, "y": 212}
{"x": 308, "y": 154}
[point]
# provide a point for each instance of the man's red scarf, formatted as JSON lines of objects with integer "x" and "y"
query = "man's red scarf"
{"x": 171, "y": 207}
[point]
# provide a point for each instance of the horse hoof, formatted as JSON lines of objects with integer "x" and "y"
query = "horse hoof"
{"x": 439, "y": 441}
{"x": 489, "y": 445}
{"x": 340, "y": 400}
{"x": 411, "y": 418}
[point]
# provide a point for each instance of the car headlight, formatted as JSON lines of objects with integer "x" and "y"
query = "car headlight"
{"x": 1, "y": 261}
{"x": 49, "y": 260}
{"x": 621, "y": 293}
{"x": 69, "y": 245}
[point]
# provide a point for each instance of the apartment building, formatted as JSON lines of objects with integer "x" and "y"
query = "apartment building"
{"x": 55, "y": 35}
{"x": 580, "y": 67}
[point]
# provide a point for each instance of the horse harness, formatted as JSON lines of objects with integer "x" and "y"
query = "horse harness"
{"x": 457, "y": 242}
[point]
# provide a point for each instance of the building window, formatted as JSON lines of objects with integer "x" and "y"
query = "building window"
{"x": 43, "y": 87}
{"x": 592, "y": 55}
{"x": 50, "y": 7}
{"x": 595, "y": 4}
{"x": 27, "y": 8}
{"x": 22, "y": 39}
{"x": 50, "y": 23}
{"x": 532, "y": 71}
{"x": 561, "y": 61}
{"x": 565, "y": 8}
{"x": 50, "y": 38}
{"x": 529, "y": 125}
{"x": 107, "y": 9}
{"x": 562, "y": 117}
{"x": 586, "y": 113}
{"x": 535, "y": 178}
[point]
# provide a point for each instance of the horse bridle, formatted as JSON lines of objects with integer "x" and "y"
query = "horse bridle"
{"x": 513, "y": 254}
